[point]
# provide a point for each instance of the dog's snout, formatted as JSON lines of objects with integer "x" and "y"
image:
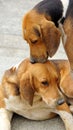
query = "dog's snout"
{"x": 60, "y": 101}
{"x": 41, "y": 59}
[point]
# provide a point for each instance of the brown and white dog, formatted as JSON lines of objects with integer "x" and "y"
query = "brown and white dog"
{"x": 45, "y": 24}
{"x": 37, "y": 91}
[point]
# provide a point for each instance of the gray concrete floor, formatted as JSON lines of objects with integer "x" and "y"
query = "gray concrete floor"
{"x": 14, "y": 49}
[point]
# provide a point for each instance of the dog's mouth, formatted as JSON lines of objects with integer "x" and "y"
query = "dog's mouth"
{"x": 41, "y": 59}
{"x": 32, "y": 60}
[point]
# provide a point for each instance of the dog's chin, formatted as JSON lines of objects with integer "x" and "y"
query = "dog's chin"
{"x": 39, "y": 60}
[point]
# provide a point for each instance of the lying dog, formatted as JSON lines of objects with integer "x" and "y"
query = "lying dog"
{"x": 41, "y": 29}
{"x": 37, "y": 92}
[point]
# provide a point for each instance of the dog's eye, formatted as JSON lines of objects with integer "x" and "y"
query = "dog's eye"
{"x": 45, "y": 83}
{"x": 34, "y": 41}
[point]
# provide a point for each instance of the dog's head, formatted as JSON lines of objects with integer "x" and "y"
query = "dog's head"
{"x": 41, "y": 34}
{"x": 42, "y": 79}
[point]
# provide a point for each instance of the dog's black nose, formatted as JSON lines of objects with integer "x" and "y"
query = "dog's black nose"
{"x": 32, "y": 61}
{"x": 60, "y": 101}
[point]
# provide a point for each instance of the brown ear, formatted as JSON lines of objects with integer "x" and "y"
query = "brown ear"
{"x": 26, "y": 88}
{"x": 51, "y": 35}
{"x": 66, "y": 84}
{"x": 66, "y": 80}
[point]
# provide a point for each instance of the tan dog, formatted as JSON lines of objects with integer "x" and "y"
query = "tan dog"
{"x": 36, "y": 91}
{"x": 41, "y": 29}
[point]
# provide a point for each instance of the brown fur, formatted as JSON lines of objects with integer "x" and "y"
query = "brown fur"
{"x": 2, "y": 103}
{"x": 41, "y": 78}
{"x": 63, "y": 107}
{"x": 26, "y": 89}
{"x": 68, "y": 27}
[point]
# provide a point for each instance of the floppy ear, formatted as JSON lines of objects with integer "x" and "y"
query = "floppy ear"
{"x": 26, "y": 88}
{"x": 66, "y": 84}
{"x": 51, "y": 36}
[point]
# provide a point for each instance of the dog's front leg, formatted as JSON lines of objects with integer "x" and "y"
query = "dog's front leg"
{"x": 67, "y": 119}
{"x": 65, "y": 114}
{"x": 5, "y": 118}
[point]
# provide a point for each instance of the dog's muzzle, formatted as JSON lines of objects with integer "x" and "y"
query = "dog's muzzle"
{"x": 38, "y": 60}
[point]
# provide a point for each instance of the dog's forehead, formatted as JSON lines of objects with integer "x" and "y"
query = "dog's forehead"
{"x": 44, "y": 70}
{"x": 40, "y": 70}
{"x": 39, "y": 67}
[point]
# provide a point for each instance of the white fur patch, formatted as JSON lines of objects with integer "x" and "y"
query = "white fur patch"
{"x": 64, "y": 36}
{"x": 5, "y": 118}
{"x": 71, "y": 108}
{"x": 38, "y": 111}
{"x": 65, "y": 6}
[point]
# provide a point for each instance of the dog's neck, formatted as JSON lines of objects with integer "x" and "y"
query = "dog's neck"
{"x": 65, "y": 4}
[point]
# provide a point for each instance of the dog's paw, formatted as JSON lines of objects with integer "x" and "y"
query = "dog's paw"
{"x": 71, "y": 108}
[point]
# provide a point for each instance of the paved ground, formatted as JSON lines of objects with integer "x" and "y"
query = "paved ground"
{"x": 13, "y": 49}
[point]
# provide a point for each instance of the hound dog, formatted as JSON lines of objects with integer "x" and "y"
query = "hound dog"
{"x": 37, "y": 92}
{"x": 43, "y": 27}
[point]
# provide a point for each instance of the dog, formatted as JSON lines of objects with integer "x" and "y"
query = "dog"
{"x": 37, "y": 91}
{"x": 44, "y": 25}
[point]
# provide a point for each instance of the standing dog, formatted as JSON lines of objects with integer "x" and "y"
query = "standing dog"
{"x": 44, "y": 24}
{"x": 37, "y": 92}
